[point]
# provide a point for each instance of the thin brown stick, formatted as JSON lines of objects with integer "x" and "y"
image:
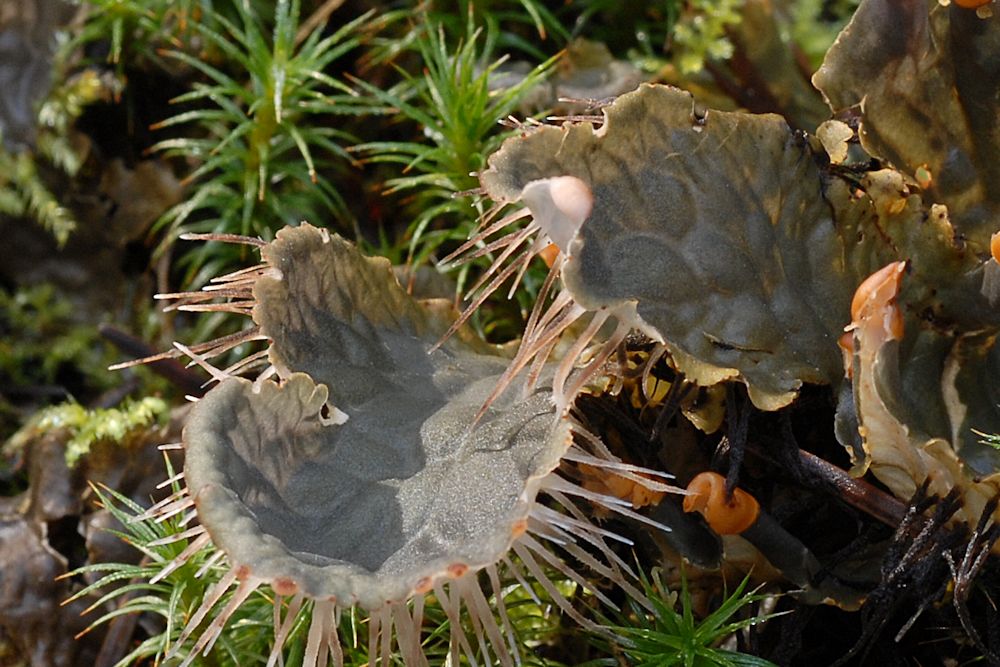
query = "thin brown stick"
{"x": 316, "y": 19}
{"x": 857, "y": 493}
{"x": 172, "y": 370}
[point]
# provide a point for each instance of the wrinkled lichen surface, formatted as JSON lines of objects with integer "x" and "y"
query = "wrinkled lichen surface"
{"x": 715, "y": 226}
{"x": 402, "y": 488}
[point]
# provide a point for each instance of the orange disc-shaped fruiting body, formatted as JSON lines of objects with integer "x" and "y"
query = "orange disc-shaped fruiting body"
{"x": 549, "y": 254}
{"x": 608, "y": 483}
{"x": 972, "y": 4}
{"x": 876, "y": 297}
{"x": 995, "y": 247}
{"x": 726, "y": 516}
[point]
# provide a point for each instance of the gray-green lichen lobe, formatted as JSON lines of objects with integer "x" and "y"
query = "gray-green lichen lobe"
{"x": 363, "y": 510}
{"x": 715, "y": 227}
{"x": 329, "y": 315}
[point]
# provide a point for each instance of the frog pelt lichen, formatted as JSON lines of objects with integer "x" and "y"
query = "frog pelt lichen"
{"x": 696, "y": 219}
{"x": 355, "y": 479}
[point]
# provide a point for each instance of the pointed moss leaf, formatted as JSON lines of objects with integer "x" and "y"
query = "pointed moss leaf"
{"x": 715, "y": 227}
{"x": 924, "y": 79}
{"x": 369, "y": 508}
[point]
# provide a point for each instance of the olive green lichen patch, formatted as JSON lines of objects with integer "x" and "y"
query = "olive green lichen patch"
{"x": 715, "y": 227}
{"x": 923, "y": 77}
{"x": 969, "y": 384}
{"x": 913, "y": 393}
{"x": 906, "y": 437}
{"x": 944, "y": 273}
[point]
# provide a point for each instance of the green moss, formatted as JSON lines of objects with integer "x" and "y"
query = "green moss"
{"x": 121, "y": 425}
{"x": 700, "y": 34}
{"x": 39, "y": 338}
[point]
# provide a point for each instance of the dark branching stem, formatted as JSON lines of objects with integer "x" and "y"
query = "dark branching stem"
{"x": 978, "y": 549}
{"x": 737, "y": 428}
{"x": 788, "y": 451}
{"x": 920, "y": 565}
{"x": 678, "y": 391}
{"x": 911, "y": 568}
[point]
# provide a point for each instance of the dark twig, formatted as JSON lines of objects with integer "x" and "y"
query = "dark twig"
{"x": 678, "y": 391}
{"x": 819, "y": 473}
{"x": 977, "y": 551}
{"x": 185, "y": 380}
{"x": 737, "y": 427}
{"x": 912, "y": 568}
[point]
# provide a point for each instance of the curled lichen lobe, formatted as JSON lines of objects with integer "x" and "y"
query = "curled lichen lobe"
{"x": 875, "y": 300}
{"x": 874, "y": 309}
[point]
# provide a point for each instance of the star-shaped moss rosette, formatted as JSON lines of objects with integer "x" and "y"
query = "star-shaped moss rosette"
{"x": 708, "y": 233}
{"x": 356, "y": 478}
{"x": 923, "y": 77}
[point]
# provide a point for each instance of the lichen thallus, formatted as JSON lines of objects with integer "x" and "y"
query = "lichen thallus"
{"x": 453, "y": 506}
